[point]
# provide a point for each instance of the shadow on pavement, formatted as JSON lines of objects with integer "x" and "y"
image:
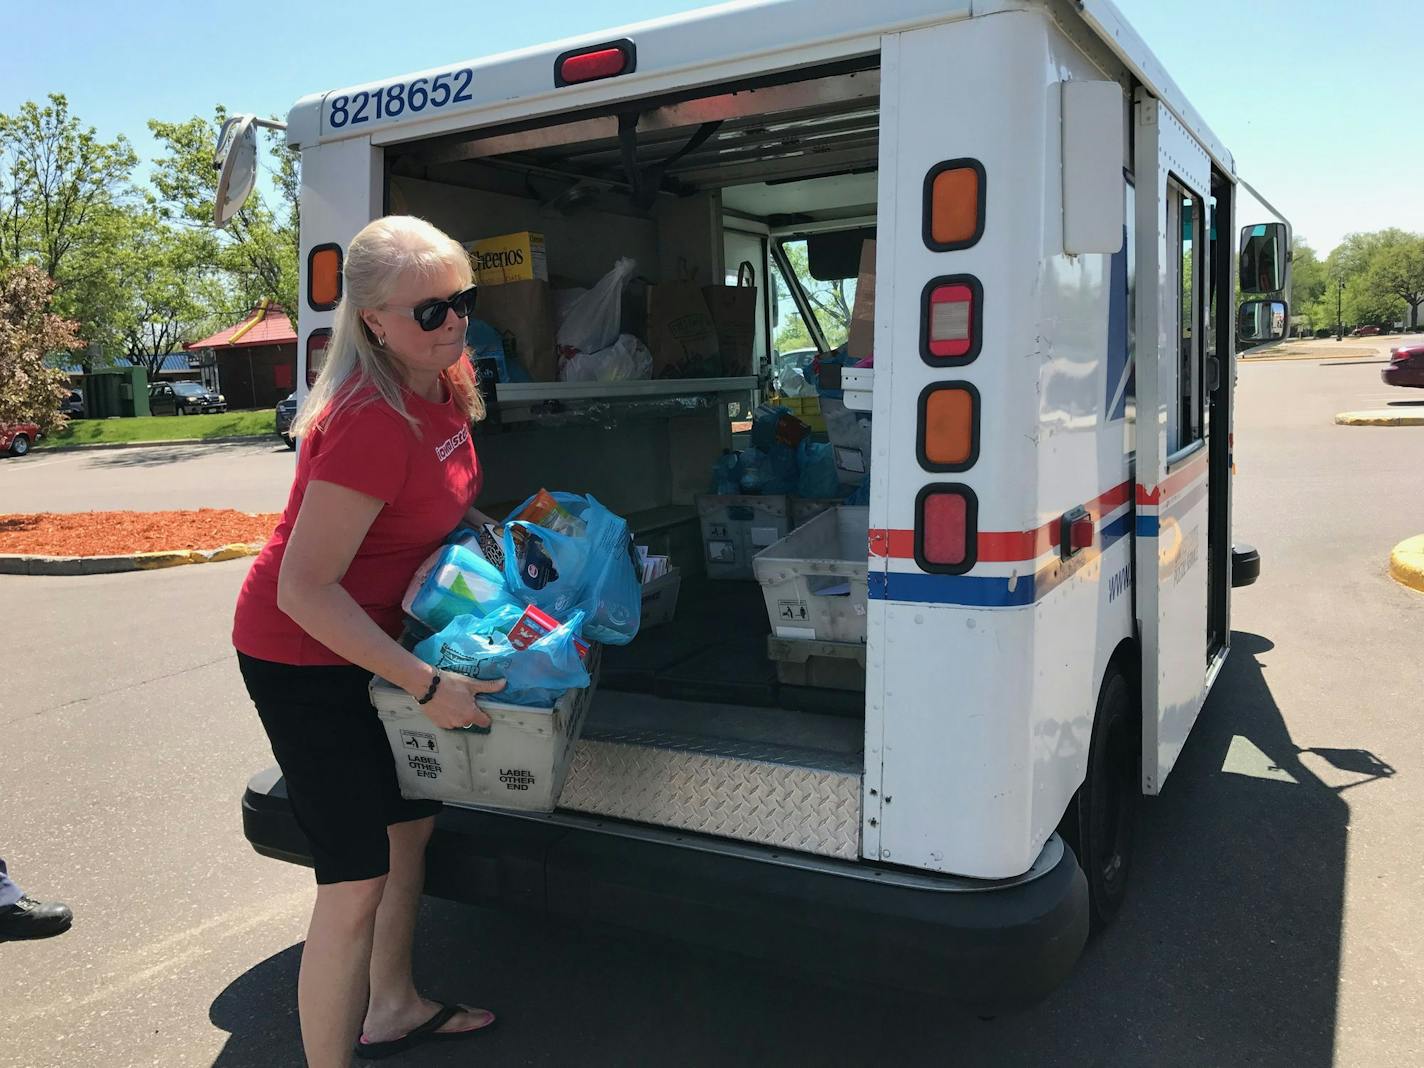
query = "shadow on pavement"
{"x": 165, "y": 456}
{"x": 1227, "y": 951}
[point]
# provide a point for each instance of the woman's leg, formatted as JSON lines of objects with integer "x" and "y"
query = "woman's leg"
{"x": 395, "y": 1007}
{"x": 336, "y": 960}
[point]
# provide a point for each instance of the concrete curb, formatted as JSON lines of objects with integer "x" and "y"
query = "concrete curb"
{"x": 1382, "y": 417}
{"x": 103, "y": 446}
{"x": 1406, "y": 563}
{"x": 23, "y": 564}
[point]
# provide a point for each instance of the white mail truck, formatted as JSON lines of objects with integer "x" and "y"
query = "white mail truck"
{"x": 1047, "y": 553}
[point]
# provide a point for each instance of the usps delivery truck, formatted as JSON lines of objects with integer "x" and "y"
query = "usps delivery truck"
{"x": 1047, "y": 555}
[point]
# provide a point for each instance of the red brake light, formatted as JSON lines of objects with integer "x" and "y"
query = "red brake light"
{"x": 946, "y": 517}
{"x": 590, "y": 64}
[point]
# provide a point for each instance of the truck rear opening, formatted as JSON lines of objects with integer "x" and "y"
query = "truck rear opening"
{"x": 691, "y": 187}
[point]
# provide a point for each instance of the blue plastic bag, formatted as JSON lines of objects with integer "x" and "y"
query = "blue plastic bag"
{"x": 818, "y": 476}
{"x": 478, "y": 647}
{"x": 727, "y": 474}
{"x": 595, "y": 573}
{"x": 454, "y": 582}
{"x": 485, "y": 343}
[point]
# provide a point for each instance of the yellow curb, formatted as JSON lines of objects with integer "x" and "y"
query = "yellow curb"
{"x": 154, "y": 560}
{"x": 232, "y": 552}
{"x": 1406, "y": 563}
{"x": 1381, "y": 417}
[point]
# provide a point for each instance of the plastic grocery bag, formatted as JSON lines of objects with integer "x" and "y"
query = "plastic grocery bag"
{"x": 626, "y": 360}
{"x": 818, "y": 476}
{"x": 452, "y": 582}
{"x": 595, "y": 573}
{"x": 594, "y": 320}
{"x": 479, "y": 647}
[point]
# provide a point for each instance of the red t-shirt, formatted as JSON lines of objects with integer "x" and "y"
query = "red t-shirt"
{"x": 427, "y": 481}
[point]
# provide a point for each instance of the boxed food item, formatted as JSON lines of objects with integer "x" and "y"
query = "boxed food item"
{"x": 509, "y": 258}
{"x": 861, "y": 341}
{"x": 454, "y": 581}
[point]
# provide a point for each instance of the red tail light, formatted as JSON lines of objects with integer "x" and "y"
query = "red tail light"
{"x": 590, "y": 64}
{"x": 945, "y": 529}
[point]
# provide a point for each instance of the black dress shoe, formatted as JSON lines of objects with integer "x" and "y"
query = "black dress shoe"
{"x": 28, "y": 918}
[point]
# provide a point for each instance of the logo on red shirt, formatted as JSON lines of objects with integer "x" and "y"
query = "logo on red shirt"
{"x": 445, "y": 448}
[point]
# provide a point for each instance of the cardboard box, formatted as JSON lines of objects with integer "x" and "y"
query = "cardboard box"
{"x": 509, "y": 258}
{"x": 861, "y": 341}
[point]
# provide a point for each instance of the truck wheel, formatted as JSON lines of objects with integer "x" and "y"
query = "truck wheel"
{"x": 289, "y": 441}
{"x": 1102, "y": 816}
{"x": 20, "y": 445}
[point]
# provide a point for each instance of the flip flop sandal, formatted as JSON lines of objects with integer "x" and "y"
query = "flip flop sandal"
{"x": 429, "y": 1031}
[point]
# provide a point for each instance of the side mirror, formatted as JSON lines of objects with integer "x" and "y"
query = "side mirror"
{"x": 1260, "y": 321}
{"x": 1264, "y": 251}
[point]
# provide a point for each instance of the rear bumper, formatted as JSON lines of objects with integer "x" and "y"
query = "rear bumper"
{"x": 1403, "y": 376}
{"x": 993, "y": 948}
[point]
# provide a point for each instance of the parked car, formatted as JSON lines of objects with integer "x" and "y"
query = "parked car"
{"x": 1364, "y": 331}
{"x": 16, "y": 438}
{"x": 286, "y": 412}
{"x": 184, "y": 398}
{"x": 1406, "y": 366}
{"x": 73, "y": 404}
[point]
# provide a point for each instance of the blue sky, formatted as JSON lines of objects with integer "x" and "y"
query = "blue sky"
{"x": 1318, "y": 100}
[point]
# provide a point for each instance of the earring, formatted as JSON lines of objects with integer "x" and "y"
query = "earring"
{"x": 381, "y": 340}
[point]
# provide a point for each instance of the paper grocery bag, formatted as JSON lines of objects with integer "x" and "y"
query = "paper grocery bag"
{"x": 681, "y": 332}
{"x": 523, "y": 313}
{"x": 861, "y": 341}
{"x": 733, "y": 311}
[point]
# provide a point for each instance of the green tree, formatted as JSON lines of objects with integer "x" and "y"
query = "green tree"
{"x": 1396, "y": 273}
{"x": 257, "y": 252}
{"x": 166, "y": 294}
{"x": 831, "y": 303}
{"x": 29, "y": 331}
{"x": 66, "y": 204}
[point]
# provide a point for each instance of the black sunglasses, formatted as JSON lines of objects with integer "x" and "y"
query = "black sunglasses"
{"x": 430, "y": 314}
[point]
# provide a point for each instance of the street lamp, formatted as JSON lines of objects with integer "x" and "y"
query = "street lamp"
{"x": 1339, "y": 301}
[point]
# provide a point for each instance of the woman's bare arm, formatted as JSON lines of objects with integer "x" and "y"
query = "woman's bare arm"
{"x": 330, "y": 526}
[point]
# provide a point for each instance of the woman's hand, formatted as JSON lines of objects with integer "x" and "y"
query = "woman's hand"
{"x": 454, "y": 704}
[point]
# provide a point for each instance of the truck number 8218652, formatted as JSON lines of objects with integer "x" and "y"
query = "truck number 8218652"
{"x": 392, "y": 101}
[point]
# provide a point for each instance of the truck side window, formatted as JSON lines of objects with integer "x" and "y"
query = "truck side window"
{"x": 1185, "y": 244}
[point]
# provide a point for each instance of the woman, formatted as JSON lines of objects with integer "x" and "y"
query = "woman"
{"x": 386, "y": 470}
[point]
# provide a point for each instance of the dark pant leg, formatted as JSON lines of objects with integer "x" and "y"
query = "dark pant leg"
{"x": 9, "y": 892}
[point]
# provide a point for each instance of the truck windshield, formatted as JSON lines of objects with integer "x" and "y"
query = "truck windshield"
{"x": 828, "y": 303}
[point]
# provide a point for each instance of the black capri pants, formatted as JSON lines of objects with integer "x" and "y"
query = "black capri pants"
{"x": 333, "y": 752}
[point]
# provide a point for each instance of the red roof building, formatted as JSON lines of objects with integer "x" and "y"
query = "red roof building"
{"x": 252, "y": 363}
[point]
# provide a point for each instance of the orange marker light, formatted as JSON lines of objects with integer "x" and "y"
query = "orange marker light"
{"x": 324, "y": 277}
{"x": 954, "y": 205}
{"x": 949, "y": 432}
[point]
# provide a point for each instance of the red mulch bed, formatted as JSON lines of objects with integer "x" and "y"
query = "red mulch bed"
{"x": 118, "y": 533}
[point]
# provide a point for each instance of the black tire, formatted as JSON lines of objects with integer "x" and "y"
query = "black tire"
{"x": 289, "y": 441}
{"x": 1102, "y": 816}
{"x": 20, "y": 445}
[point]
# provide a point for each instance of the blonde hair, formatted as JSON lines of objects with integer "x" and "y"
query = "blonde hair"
{"x": 358, "y": 368}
